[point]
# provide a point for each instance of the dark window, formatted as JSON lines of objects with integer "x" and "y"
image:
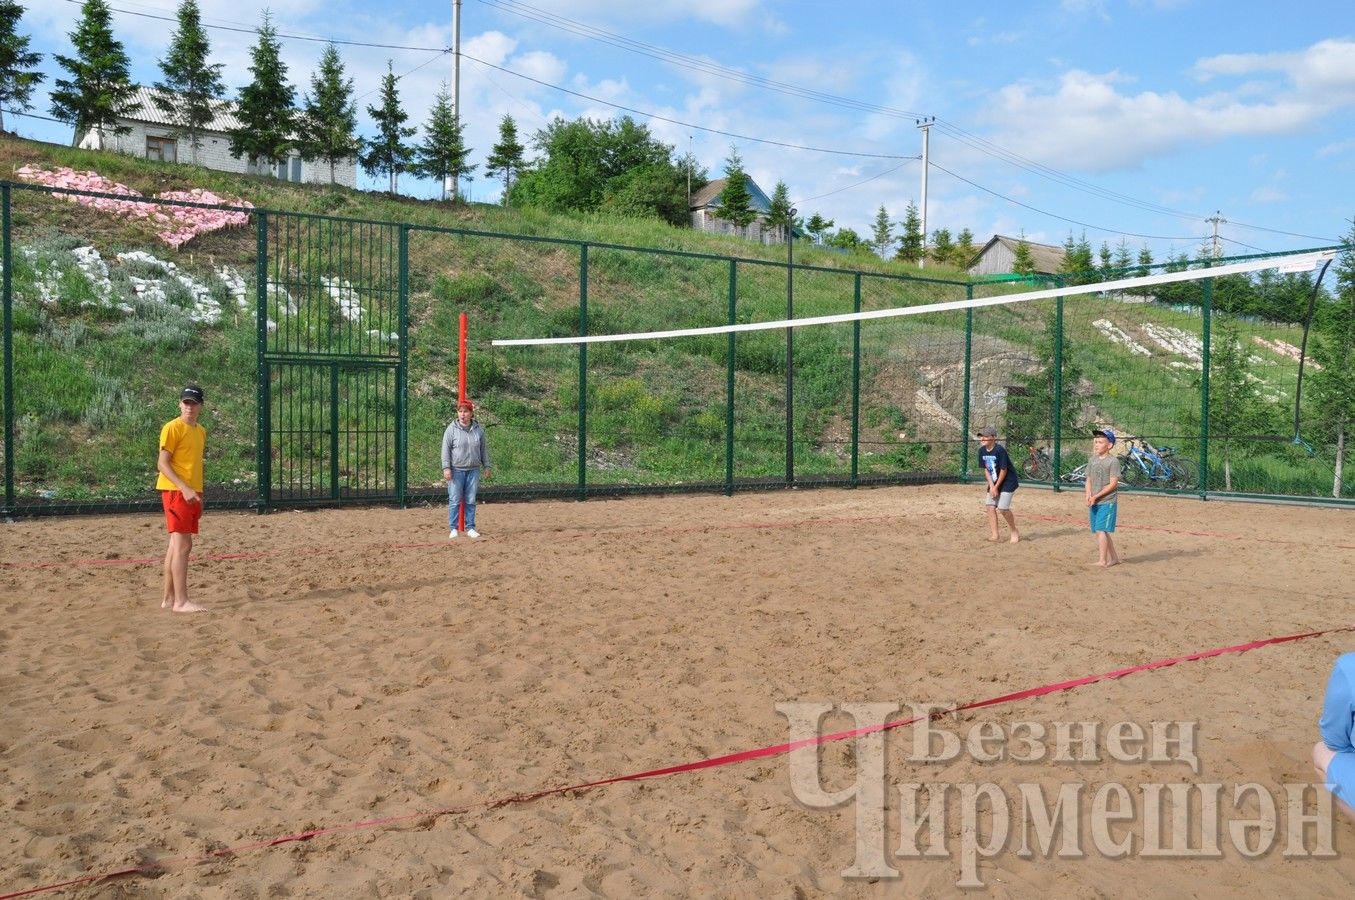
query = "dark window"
{"x": 164, "y": 149}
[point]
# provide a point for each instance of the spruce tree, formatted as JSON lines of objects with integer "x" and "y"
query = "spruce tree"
{"x": 736, "y": 202}
{"x": 882, "y": 231}
{"x": 1334, "y": 352}
{"x": 817, "y": 226}
{"x": 192, "y": 87}
{"x": 17, "y": 74}
{"x": 1124, "y": 260}
{"x": 266, "y": 108}
{"x": 329, "y": 121}
{"x": 910, "y": 242}
{"x": 942, "y": 250}
{"x": 505, "y": 158}
{"x": 779, "y": 213}
{"x": 1236, "y": 408}
{"x": 100, "y": 87}
{"x": 964, "y": 249}
{"x": 1023, "y": 263}
{"x": 387, "y": 153}
{"x": 443, "y": 153}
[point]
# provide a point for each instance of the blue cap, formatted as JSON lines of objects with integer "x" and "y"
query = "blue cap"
{"x": 1105, "y": 433}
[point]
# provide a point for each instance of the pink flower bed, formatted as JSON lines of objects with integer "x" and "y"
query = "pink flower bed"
{"x": 180, "y": 223}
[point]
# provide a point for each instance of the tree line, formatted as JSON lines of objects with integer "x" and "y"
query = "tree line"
{"x": 97, "y": 90}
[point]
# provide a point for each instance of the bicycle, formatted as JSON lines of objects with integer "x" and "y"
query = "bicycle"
{"x": 1145, "y": 465}
{"x": 1141, "y": 466}
{"x": 1039, "y": 466}
{"x": 1075, "y": 476}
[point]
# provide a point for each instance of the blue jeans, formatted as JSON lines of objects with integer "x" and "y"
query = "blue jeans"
{"x": 464, "y": 483}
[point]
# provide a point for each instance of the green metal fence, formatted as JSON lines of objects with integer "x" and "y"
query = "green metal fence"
{"x": 327, "y": 347}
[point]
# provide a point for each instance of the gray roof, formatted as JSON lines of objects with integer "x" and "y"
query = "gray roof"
{"x": 142, "y": 108}
{"x": 1047, "y": 257}
{"x": 709, "y": 195}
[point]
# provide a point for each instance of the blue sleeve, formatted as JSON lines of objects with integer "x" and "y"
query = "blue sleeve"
{"x": 1338, "y": 709}
{"x": 1337, "y": 724}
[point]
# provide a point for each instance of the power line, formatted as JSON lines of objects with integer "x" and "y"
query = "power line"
{"x": 688, "y": 62}
{"x": 439, "y": 50}
{"x": 1156, "y": 237}
{"x": 859, "y": 183}
{"x": 15, "y": 112}
{"x": 289, "y": 37}
{"x": 712, "y": 68}
{"x": 671, "y": 121}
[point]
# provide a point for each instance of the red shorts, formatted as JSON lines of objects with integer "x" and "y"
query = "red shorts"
{"x": 180, "y": 515}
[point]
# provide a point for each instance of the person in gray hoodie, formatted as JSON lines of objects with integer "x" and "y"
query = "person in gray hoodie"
{"x": 464, "y": 454}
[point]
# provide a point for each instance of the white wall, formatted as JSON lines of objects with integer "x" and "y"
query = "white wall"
{"x": 214, "y": 152}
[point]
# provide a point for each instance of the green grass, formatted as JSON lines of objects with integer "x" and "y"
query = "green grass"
{"x": 94, "y": 384}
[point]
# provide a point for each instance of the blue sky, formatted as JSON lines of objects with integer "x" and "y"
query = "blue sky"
{"x": 1137, "y": 118}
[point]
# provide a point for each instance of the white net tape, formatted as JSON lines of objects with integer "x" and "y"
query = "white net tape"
{"x": 1292, "y": 263}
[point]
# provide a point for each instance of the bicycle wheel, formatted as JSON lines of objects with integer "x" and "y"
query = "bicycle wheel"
{"x": 1035, "y": 469}
{"x": 1130, "y": 473}
{"x": 1185, "y": 474}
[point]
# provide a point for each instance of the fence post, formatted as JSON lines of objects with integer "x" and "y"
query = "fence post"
{"x": 9, "y": 349}
{"x": 729, "y": 379}
{"x": 1207, "y": 312}
{"x": 968, "y": 373}
{"x": 583, "y": 372}
{"x": 856, "y": 379}
{"x": 790, "y": 362}
{"x": 263, "y": 412}
{"x": 1058, "y": 388}
{"x": 402, "y": 378}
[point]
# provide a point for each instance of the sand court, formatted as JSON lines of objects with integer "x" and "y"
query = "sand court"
{"x": 355, "y": 665}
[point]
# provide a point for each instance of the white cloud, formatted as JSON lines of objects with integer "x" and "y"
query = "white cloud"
{"x": 1268, "y": 194}
{"x": 608, "y": 13}
{"x": 1327, "y": 67}
{"x": 1340, "y": 148}
{"x": 1086, "y": 123}
{"x": 541, "y": 65}
{"x": 493, "y": 47}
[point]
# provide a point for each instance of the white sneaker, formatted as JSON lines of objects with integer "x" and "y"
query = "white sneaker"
{"x": 472, "y": 533}
{"x": 452, "y": 536}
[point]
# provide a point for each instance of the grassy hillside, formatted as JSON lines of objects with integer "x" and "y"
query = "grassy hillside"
{"x": 102, "y": 345}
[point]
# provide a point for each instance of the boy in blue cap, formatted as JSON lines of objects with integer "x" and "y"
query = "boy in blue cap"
{"x": 1103, "y": 482}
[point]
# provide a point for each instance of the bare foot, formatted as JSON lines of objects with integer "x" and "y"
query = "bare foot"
{"x": 993, "y": 539}
{"x": 1097, "y": 563}
{"x": 1113, "y": 562}
{"x": 165, "y": 604}
{"x": 1016, "y": 538}
{"x": 189, "y": 607}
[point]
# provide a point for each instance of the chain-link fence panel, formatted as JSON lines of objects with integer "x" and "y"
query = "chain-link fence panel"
{"x": 108, "y": 323}
{"x": 912, "y": 381}
{"x": 527, "y": 398}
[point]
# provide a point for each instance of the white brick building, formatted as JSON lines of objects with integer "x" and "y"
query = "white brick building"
{"x": 153, "y": 135}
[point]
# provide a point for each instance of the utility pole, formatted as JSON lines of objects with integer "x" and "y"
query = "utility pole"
{"x": 449, "y": 186}
{"x": 1217, "y": 220}
{"x": 925, "y": 125}
{"x": 689, "y": 176}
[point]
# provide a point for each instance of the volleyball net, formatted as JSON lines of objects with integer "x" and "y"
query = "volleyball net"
{"x": 894, "y": 382}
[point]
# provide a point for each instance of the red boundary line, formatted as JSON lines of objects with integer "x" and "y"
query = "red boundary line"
{"x": 795, "y": 523}
{"x": 712, "y": 762}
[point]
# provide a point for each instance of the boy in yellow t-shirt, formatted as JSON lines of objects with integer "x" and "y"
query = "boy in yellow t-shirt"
{"x": 182, "y": 441}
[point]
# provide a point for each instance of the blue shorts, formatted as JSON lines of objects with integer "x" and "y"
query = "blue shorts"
{"x": 1102, "y": 516}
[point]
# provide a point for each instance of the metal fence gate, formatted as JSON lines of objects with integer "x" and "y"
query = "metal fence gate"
{"x": 332, "y": 332}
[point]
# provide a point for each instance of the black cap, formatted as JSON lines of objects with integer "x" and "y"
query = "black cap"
{"x": 191, "y": 392}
